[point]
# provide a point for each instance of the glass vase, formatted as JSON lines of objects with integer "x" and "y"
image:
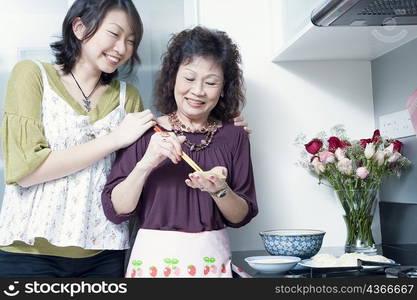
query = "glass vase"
{"x": 359, "y": 206}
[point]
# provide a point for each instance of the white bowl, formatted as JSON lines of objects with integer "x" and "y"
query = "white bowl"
{"x": 272, "y": 264}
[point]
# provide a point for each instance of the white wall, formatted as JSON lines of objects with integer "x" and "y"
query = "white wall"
{"x": 282, "y": 101}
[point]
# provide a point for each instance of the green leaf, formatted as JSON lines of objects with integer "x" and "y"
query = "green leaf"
{"x": 212, "y": 259}
{"x": 206, "y": 259}
{"x": 136, "y": 262}
{"x": 174, "y": 261}
{"x": 167, "y": 260}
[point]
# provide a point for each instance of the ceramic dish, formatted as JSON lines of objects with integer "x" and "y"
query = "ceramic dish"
{"x": 306, "y": 263}
{"x": 303, "y": 243}
{"x": 272, "y": 264}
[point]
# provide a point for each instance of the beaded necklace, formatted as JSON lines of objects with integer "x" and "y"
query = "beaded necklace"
{"x": 178, "y": 127}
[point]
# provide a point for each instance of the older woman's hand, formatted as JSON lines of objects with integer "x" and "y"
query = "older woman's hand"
{"x": 211, "y": 183}
{"x": 240, "y": 121}
{"x": 161, "y": 146}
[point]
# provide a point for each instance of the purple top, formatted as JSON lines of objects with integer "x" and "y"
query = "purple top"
{"x": 167, "y": 203}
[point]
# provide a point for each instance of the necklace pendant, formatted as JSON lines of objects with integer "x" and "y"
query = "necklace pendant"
{"x": 87, "y": 104}
{"x": 192, "y": 147}
{"x": 204, "y": 142}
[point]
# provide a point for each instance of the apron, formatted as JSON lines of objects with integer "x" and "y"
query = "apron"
{"x": 178, "y": 254}
{"x": 66, "y": 211}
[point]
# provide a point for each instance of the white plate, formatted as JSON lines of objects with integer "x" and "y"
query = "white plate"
{"x": 272, "y": 264}
{"x": 306, "y": 263}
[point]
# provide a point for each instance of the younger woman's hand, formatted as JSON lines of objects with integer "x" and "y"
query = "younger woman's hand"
{"x": 161, "y": 146}
{"x": 240, "y": 121}
{"x": 211, "y": 184}
{"x": 133, "y": 126}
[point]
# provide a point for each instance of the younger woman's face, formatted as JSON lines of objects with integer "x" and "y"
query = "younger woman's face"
{"x": 112, "y": 44}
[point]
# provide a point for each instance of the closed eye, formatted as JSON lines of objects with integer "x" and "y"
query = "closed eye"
{"x": 113, "y": 33}
{"x": 189, "y": 79}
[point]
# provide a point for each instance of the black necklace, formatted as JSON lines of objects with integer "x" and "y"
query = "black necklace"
{"x": 86, "y": 101}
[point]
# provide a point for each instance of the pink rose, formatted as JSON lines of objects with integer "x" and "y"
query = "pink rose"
{"x": 314, "y": 146}
{"x": 362, "y": 172}
{"x": 327, "y": 157}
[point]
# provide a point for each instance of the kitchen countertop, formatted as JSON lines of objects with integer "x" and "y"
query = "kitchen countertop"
{"x": 405, "y": 254}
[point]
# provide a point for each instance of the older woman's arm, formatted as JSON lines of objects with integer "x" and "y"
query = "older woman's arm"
{"x": 234, "y": 208}
{"x": 237, "y": 203}
{"x": 131, "y": 169}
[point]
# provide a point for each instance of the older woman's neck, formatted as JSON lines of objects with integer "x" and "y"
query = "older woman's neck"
{"x": 193, "y": 123}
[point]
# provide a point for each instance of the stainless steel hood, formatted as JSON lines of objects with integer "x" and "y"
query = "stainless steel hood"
{"x": 365, "y": 13}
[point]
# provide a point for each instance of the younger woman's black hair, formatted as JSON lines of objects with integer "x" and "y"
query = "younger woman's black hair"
{"x": 92, "y": 13}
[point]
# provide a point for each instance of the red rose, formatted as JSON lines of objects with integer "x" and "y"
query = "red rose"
{"x": 334, "y": 143}
{"x": 397, "y": 145}
{"x": 376, "y": 137}
{"x": 314, "y": 146}
{"x": 345, "y": 144}
{"x": 364, "y": 142}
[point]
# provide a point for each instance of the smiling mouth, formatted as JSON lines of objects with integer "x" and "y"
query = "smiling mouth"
{"x": 194, "y": 102}
{"x": 113, "y": 59}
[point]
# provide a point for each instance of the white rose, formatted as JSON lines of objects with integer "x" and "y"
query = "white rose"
{"x": 340, "y": 154}
{"x": 345, "y": 166}
{"x": 394, "y": 157}
{"x": 379, "y": 157}
{"x": 388, "y": 151}
{"x": 369, "y": 150}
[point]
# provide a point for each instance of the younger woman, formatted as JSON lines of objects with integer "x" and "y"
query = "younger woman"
{"x": 62, "y": 122}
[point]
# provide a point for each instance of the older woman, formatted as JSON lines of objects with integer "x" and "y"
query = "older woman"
{"x": 182, "y": 214}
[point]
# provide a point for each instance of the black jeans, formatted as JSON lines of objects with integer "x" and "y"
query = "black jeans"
{"x": 107, "y": 264}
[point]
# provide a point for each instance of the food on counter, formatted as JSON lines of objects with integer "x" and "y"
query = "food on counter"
{"x": 345, "y": 260}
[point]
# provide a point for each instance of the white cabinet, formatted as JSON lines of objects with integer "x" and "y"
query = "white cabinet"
{"x": 303, "y": 41}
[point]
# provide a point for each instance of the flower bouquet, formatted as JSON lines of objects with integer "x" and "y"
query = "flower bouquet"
{"x": 355, "y": 170}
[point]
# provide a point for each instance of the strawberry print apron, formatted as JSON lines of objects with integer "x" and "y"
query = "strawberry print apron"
{"x": 176, "y": 254}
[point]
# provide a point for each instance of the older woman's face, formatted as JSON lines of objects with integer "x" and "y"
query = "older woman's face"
{"x": 198, "y": 86}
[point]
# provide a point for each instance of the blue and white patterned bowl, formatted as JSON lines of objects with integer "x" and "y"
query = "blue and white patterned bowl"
{"x": 303, "y": 243}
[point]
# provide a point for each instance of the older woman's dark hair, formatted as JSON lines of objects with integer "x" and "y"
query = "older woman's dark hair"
{"x": 92, "y": 13}
{"x": 202, "y": 42}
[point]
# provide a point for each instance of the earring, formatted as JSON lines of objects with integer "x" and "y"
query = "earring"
{"x": 222, "y": 94}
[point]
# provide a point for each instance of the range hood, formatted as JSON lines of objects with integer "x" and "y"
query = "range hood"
{"x": 365, "y": 13}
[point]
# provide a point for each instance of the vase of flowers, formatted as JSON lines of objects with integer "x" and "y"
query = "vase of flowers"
{"x": 359, "y": 206}
{"x": 355, "y": 170}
